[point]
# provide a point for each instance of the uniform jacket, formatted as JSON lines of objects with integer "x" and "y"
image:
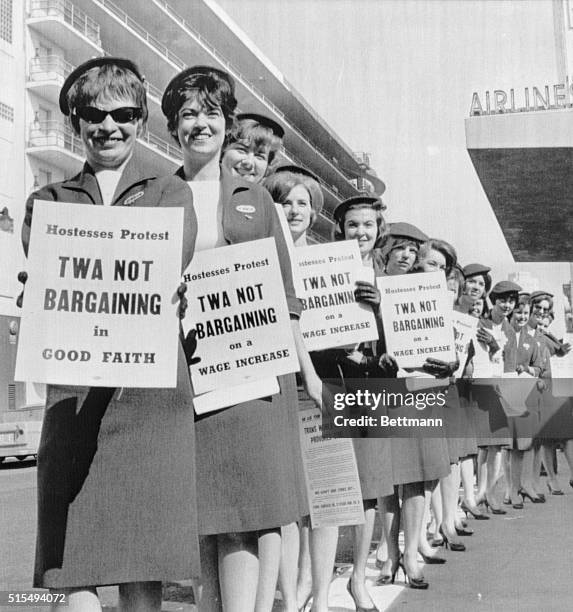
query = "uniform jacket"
{"x": 528, "y": 351}
{"x": 510, "y": 348}
{"x": 133, "y": 189}
{"x": 249, "y": 214}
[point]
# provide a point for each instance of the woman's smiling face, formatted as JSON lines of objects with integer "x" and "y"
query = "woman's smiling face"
{"x": 200, "y": 129}
{"x": 109, "y": 144}
{"x": 361, "y": 224}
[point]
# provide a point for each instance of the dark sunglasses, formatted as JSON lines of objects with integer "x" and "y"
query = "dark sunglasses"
{"x": 125, "y": 114}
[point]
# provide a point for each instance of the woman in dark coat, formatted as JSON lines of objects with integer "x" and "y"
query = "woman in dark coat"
{"x": 247, "y": 477}
{"x": 110, "y": 506}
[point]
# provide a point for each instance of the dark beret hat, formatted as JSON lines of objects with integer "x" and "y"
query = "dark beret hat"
{"x": 407, "y": 230}
{"x": 539, "y": 295}
{"x": 265, "y": 121}
{"x": 93, "y": 63}
{"x": 341, "y": 209}
{"x": 297, "y": 170}
{"x": 176, "y": 82}
{"x": 475, "y": 269}
{"x": 505, "y": 287}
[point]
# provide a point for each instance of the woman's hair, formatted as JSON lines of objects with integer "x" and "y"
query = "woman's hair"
{"x": 280, "y": 184}
{"x": 212, "y": 89}
{"x": 107, "y": 82}
{"x": 486, "y": 278}
{"x": 539, "y": 298}
{"x": 443, "y": 247}
{"x": 522, "y": 300}
{"x": 496, "y": 296}
{"x": 390, "y": 243}
{"x": 380, "y": 222}
{"x": 251, "y": 133}
{"x": 457, "y": 274}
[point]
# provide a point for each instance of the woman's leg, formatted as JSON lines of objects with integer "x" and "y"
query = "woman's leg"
{"x": 450, "y": 486}
{"x": 270, "y": 556}
{"x": 390, "y": 509}
{"x": 493, "y": 471}
{"x": 206, "y": 591}
{"x": 436, "y": 507}
{"x": 304, "y": 577}
{"x": 547, "y": 451}
{"x": 362, "y": 540}
{"x": 238, "y": 570}
{"x": 140, "y": 597}
{"x": 468, "y": 479}
{"x": 481, "y": 474}
{"x": 506, "y": 469}
{"x": 413, "y": 501}
{"x": 568, "y": 452}
{"x": 288, "y": 567}
{"x": 516, "y": 473}
{"x": 78, "y": 600}
{"x": 323, "y": 543}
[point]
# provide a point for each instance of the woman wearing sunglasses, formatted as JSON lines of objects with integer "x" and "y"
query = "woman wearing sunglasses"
{"x": 107, "y": 504}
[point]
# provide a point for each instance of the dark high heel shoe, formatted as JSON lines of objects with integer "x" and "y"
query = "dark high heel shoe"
{"x": 433, "y": 560}
{"x": 464, "y": 531}
{"x": 526, "y": 495}
{"x": 554, "y": 491}
{"x": 414, "y": 583}
{"x": 385, "y": 579}
{"x": 474, "y": 511}
{"x": 455, "y": 546}
{"x": 493, "y": 509}
{"x": 358, "y": 608}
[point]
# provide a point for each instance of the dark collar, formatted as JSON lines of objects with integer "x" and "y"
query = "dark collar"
{"x": 86, "y": 181}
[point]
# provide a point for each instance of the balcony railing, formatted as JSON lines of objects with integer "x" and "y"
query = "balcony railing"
{"x": 165, "y": 147}
{"x": 70, "y": 14}
{"x": 54, "y": 133}
{"x": 129, "y": 22}
{"x": 48, "y": 67}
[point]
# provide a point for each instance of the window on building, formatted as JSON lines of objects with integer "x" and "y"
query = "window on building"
{"x": 6, "y": 112}
{"x": 6, "y": 20}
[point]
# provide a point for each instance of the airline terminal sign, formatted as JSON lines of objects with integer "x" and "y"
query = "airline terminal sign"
{"x": 525, "y": 100}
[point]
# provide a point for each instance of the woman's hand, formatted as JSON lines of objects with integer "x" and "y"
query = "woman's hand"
{"x": 388, "y": 365}
{"x": 487, "y": 338}
{"x": 22, "y": 278}
{"x": 439, "y": 368}
{"x": 367, "y": 293}
{"x": 190, "y": 346}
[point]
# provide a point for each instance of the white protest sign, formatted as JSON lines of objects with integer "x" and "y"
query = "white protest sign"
{"x": 417, "y": 316}
{"x": 465, "y": 327}
{"x": 237, "y": 306}
{"x": 331, "y": 317}
{"x": 331, "y": 474}
{"x": 99, "y": 305}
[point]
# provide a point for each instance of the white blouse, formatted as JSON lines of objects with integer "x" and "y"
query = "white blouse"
{"x": 209, "y": 214}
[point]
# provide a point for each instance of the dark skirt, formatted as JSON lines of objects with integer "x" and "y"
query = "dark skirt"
{"x": 556, "y": 416}
{"x": 374, "y": 462}
{"x": 248, "y": 464}
{"x": 423, "y": 455}
{"x": 116, "y": 487}
{"x": 492, "y": 427}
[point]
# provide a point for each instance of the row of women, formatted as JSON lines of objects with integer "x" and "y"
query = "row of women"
{"x": 135, "y": 490}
